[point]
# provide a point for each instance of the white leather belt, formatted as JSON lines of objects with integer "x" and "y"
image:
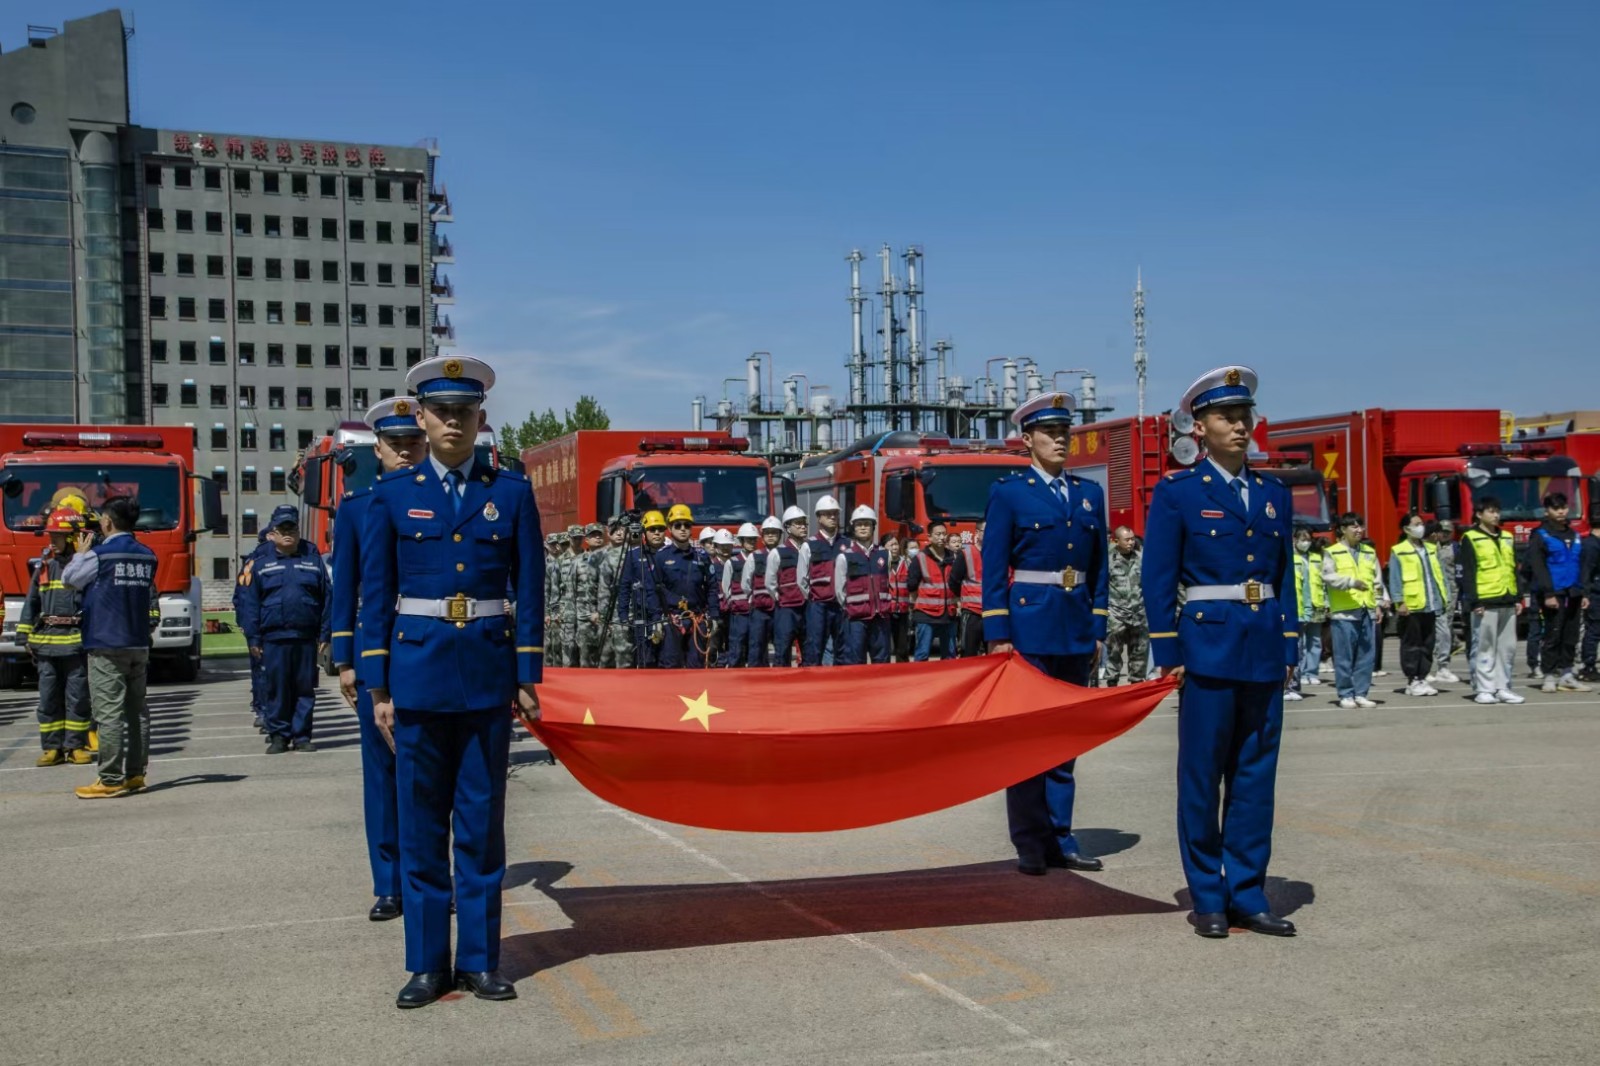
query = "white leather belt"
{"x": 1249, "y": 592}
{"x": 1066, "y": 578}
{"x": 455, "y": 609}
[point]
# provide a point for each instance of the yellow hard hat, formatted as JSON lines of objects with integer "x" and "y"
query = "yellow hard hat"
{"x": 69, "y": 497}
{"x": 680, "y": 513}
{"x": 653, "y": 520}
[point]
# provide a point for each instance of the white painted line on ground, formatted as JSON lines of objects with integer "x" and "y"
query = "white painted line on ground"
{"x": 833, "y": 929}
{"x": 354, "y": 750}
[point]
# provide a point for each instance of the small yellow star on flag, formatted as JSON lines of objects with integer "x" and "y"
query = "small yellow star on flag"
{"x": 588, "y": 716}
{"x": 700, "y": 709}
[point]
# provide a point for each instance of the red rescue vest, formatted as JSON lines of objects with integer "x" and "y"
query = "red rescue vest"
{"x": 819, "y": 576}
{"x": 738, "y": 595}
{"x": 933, "y": 589}
{"x": 760, "y": 596}
{"x": 789, "y": 594}
{"x": 972, "y": 581}
{"x": 866, "y": 583}
{"x": 899, "y": 599}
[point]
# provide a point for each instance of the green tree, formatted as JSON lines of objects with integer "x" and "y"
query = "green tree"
{"x": 538, "y": 428}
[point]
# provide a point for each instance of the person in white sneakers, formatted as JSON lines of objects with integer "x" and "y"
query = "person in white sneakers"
{"x": 1416, "y": 585}
{"x": 1356, "y": 599}
{"x": 1443, "y": 536}
{"x": 1486, "y": 565}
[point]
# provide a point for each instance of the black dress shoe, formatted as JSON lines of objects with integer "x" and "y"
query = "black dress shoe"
{"x": 423, "y": 989}
{"x": 386, "y": 908}
{"x": 1211, "y": 926}
{"x": 1071, "y": 860}
{"x": 1266, "y": 922}
{"x": 1032, "y": 869}
{"x": 486, "y": 985}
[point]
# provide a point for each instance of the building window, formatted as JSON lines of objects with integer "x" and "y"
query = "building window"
{"x": 413, "y": 274}
{"x": 302, "y": 314}
{"x": 408, "y": 192}
{"x": 330, "y": 270}
{"x": 158, "y": 307}
{"x": 274, "y": 312}
{"x": 244, "y": 267}
{"x": 241, "y": 181}
{"x": 358, "y": 356}
{"x": 220, "y": 474}
{"x": 382, "y": 188}
{"x": 297, "y": 184}
{"x": 222, "y": 529}
{"x": 215, "y": 268}
{"x": 333, "y": 399}
{"x": 274, "y": 269}
{"x": 275, "y": 356}
{"x": 221, "y": 570}
{"x": 219, "y": 396}
{"x": 152, "y": 175}
{"x": 413, "y": 357}
{"x": 330, "y": 185}
{"x": 213, "y": 221}
{"x": 275, "y": 443}
{"x": 358, "y": 399}
{"x": 358, "y": 272}
{"x": 269, "y": 182}
{"x": 276, "y": 482}
{"x": 385, "y": 315}
{"x": 156, "y": 263}
{"x": 154, "y": 219}
{"x": 186, "y": 308}
{"x": 249, "y": 522}
{"x": 275, "y": 397}
{"x": 384, "y": 394}
{"x": 330, "y": 314}
{"x": 358, "y": 230}
{"x": 302, "y": 355}
{"x": 247, "y": 477}
{"x": 358, "y": 314}
{"x": 185, "y": 265}
{"x": 241, "y": 225}
{"x": 330, "y": 229}
{"x": 185, "y": 221}
{"x": 217, "y": 310}
{"x": 272, "y": 225}
{"x": 385, "y": 233}
{"x": 247, "y": 356}
{"x": 330, "y": 354}
{"x": 247, "y": 442}
{"x": 413, "y": 233}
{"x": 301, "y": 226}
{"x": 385, "y": 273}
{"x": 302, "y": 270}
{"x": 385, "y": 358}
{"x": 217, "y": 352}
{"x": 247, "y": 396}
{"x": 187, "y": 394}
{"x": 356, "y": 187}
{"x": 187, "y": 352}
{"x": 414, "y": 317}
{"x": 246, "y": 311}
{"x": 158, "y": 351}
{"x": 303, "y": 397}
{"x": 213, "y": 177}
{"x": 183, "y": 177}
{"x": 158, "y": 394}
{"x": 305, "y": 436}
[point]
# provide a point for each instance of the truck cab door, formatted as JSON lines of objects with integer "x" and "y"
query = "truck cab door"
{"x": 608, "y": 497}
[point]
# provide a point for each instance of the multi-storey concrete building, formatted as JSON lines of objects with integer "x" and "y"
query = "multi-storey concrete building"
{"x": 260, "y": 289}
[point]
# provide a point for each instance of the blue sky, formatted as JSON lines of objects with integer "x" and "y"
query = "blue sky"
{"x": 1372, "y": 203}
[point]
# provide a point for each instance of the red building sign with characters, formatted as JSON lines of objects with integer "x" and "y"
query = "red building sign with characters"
{"x": 311, "y": 153}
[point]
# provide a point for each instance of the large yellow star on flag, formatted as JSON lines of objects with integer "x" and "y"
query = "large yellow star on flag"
{"x": 700, "y": 709}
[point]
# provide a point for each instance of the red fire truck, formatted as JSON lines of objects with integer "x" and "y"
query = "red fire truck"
{"x": 1385, "y": 463}
{"x": 346, "y": 461}
{"x": 593, "y": 474}
{"x": 910, "y": 479}
{"x": 40, "y": 466}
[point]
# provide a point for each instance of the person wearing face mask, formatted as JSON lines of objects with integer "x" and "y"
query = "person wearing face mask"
{"x": 1416, "y": 585}
{"x": 1312, "y": 597}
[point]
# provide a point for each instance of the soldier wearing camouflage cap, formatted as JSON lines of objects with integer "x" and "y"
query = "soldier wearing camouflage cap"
{"x": 616, "y": 638}
{"x": 567, "y": 618}
{"x": 594, "y": 538}
{"x": 554, "y": 647}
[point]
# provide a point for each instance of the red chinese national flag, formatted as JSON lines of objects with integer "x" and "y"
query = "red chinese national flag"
{"x": 813, "y": 750}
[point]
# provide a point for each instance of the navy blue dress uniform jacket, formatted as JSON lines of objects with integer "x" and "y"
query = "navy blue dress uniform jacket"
{"x": 287, "y": 597}
{"x": 1027, "y": 528}
{"x": 347, "y": 525}
{"x": 1198, "y": 533}
{"x": 415, "y": 543}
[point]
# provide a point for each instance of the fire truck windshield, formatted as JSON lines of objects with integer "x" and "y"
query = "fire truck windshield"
{"x": 1522, "y": 496}
{"x": 959, "y": 493}
{"x": 1310, "y": 499}
{"x": 157, "y": 490}
{"x": 718, "y": 495}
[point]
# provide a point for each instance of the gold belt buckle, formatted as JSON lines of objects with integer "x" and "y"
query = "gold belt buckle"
{"x": 1069, "y": 579}
{"x": 458, "y": 608}
{"x": 1252, "y": 592}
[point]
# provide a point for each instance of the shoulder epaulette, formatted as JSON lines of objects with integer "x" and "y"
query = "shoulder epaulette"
{"x": 396, "y": 475}
{"x": 1270, "y": 479}
{"x": 1180, "y": 475}
{"x": 514, "y": 475}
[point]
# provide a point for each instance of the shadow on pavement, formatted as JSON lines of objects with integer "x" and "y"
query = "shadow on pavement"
{"x": 620, "y": 919}
{"x": 1103, "y": 842}
{"x": 1285, "y": 896}
{"x": 193, "y": 779}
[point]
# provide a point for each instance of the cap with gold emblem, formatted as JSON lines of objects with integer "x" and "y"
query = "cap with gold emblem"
{"x": 1232, "y": 385}
{"x": 1044, "y": 409}
{"x": 451, "y": 379}
{"x": 395, "y": 416}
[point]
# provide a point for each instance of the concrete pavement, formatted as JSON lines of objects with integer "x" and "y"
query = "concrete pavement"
{"x": 1442, "y": 860}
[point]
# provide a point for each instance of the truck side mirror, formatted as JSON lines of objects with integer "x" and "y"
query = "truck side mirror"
{"x": 308, "y": 484}
{"x": 11, "y": 486}
{"x": 1441, "y": 499}
{"x": 346, "y": 460}
{"x": 210, "y": 516}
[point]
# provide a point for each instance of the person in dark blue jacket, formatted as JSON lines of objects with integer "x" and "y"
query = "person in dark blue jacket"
{"x": 285, "y": 613}
{"x": 258, "y": 682}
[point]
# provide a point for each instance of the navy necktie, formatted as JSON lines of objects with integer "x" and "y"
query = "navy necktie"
{"x": 1059, "y": 487}
{"x": 1237, "y": 485}
{"x": 453, "y": 486}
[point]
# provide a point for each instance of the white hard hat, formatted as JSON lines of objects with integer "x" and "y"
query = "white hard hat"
{"x": 827, "y": 503}
{"x": 771, "y": 521}
{"x": 864, "y": 514}
{"x": 707, "y": 533}
{"x": 725, "y": 539}
{"x": 794, "y": 514}
{"x": 749, "y": 530}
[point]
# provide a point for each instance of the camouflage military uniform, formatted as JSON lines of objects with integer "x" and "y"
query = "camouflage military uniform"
{"x": 1127, "y": 633}
{"x": 570, "y": 566}
{"x": 616, "y": 649}
{"x": 586, "y": 596}
{"x": 554, "y": 650}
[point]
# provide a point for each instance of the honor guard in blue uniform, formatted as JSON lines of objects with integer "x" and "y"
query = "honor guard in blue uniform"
{"x": 1223, "y": 535}
{"x": 687, "y": 586}
{"x": 284, "y": 611}
{"x": 1045, "y": 588}
{"x": 447, "y": 658}
{"x": 399, "y": 444}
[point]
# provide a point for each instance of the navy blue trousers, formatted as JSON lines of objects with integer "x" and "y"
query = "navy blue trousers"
{"x": 289, "y": 668}
{"x": 378, "y": 801}
{"x": 738, "y": 640}
{"x": 861, "y": 638}
{"x": 258, "y": 686}
{"x": 822, "y": 632}
{"x": 788, "y": 626}
{"x": 1040, "y": 808}
{"x": 1228, "y": 735}
{"x": 680, "y": 649}
{"x": 450, "y": 769}
{"x": 757, "y": 633}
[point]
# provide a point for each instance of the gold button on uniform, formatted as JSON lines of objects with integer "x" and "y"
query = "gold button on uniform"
{"x": 458, "y": 538}
{"x": 460, "y": 567}
{"x": 1249, "y": 532}
{"x": 461, "y": 625}
{"x": 1249, "y": 558}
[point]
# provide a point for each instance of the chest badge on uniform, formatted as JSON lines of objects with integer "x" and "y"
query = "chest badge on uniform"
{"x": 1087, "y": 506}
{"x": 417, "y": 513}
{"x": 490, "y": 511}
{"x": 1272, "y": 512}
{"x": 1210, "y": 514}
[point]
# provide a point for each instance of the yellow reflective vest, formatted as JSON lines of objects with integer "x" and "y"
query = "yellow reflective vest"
{"x": 1310, "y": 593}
{"x": 1365, "y": 567}
{"x": 1494, "y": 564}
{"x": 1413, "y": 590}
